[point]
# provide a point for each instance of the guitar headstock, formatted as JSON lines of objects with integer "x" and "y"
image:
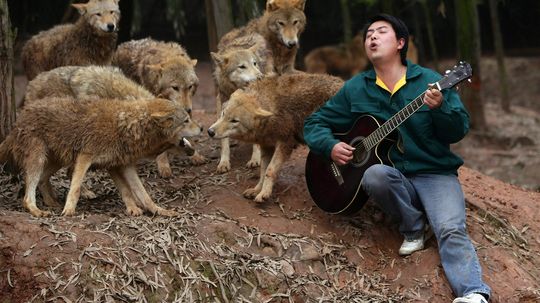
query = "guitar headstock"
{"x": 458, "y": 74}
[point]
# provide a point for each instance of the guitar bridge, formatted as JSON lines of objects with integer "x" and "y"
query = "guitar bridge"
{"x": 337, "y": 173}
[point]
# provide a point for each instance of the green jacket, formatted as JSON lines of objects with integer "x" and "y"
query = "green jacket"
{"x": 426, "y": 136}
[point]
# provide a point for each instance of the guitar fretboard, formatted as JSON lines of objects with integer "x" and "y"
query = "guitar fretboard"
{"x": 391, "y": 124}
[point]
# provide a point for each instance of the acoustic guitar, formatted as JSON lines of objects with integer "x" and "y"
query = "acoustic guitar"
{"x": 337, "y": 189}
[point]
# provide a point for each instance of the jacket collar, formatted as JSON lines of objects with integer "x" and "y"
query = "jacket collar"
{"x": 413, "y": 71}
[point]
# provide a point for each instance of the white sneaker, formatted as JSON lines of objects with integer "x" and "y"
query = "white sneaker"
{"x": 471, "y": 298}
{"x": 410, "y": 246}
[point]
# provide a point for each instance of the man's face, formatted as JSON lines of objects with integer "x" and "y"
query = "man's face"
{"x": 381, "y": 42}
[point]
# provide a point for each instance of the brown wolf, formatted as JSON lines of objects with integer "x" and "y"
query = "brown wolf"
{"x": 271, "y": 112}
{"x": 237, "y": 63}
{"x": 340, "y": 60}
{"x": 167, "y": 71}
{"x": 281, "y": 25}
{"x": 104, "y": 133}
{"x": 346, "y": 61}
{"x": 91, "y": 40}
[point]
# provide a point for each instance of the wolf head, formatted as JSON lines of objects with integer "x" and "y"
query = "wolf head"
{"x": 103, "y": 15}
{"x": 240, "y": 117}
{"x": 173, "y": 121}
{"x": 286, "y": 19}
{"x": 175, "y": 79}
{"x": 239, "y": 66}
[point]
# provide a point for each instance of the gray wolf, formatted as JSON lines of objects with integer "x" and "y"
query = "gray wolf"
{"x": 91, "y": 40}
{"x": 271, "y": 112}
{"x": 281, "y": 25}
{"x": 237, "y": 63}
{"x": 103, "y": 133}
{"x": 167, "y": 71}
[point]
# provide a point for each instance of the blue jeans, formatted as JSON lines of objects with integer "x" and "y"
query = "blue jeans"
{"x": 415, "y": 199}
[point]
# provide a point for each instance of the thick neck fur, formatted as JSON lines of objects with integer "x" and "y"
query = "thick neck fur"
{"x": 97, "y": 45}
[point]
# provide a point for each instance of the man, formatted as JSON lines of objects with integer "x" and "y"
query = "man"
{"x": 422, "y": 185}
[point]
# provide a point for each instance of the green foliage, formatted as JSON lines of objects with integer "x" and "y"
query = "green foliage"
{"x": 176, "y": 15}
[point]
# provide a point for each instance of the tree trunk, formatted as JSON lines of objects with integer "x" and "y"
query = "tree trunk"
{"x": 468, "y": 43}
{"x": 499, "y": 54}
{"x": 7, "y": 92}
{"x": 218, "y": 19}
{"x": 431, "y": 37}
{"x": 248, "y": 9}
{"x": 347, "y": 24}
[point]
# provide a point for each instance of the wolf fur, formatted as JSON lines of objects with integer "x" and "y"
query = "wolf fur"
{"x": 281, "y": 25}
{"x": 340, "y": 60}
{"x": 237, "y": 63}
{"x": 104, "y": 133}
{"x": 90, "y": 82}
{"x": 166, "y": 70}
{"x": 91, "y": 40}
{"x": 271, "y": 112}
{"x": 346, "y": 61}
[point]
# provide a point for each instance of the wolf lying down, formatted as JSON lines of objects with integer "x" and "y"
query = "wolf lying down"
{"x": 271, "y": 112}
{"x": 103, "y": 133}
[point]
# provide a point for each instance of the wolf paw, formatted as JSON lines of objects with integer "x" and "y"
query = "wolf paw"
{"x": 261, "y": 197}
{"x": 165, "y": 172}
{"x": 68, "y": 212}
{"x": 198, "y": 159}
{"x": 253, "y": 163}
{"x": 134, "y": 211}
{"x": 40, "y": 213}
{"x": 166, "y": 212}
{"x": 251, "y": 193}
{"x": 223, "y": 167}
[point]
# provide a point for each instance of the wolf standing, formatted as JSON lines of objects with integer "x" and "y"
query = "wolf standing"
{"x": 422, "y": 185}
{"x": 91, "y": 40}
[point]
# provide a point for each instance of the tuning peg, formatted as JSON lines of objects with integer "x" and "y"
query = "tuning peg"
{"x": 447, "y": 72}
{"x": 469, "y": 80}
{"x": 457, "y": 87}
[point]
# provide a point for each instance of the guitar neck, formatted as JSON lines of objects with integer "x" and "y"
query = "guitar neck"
{"x": 391, "y": 124}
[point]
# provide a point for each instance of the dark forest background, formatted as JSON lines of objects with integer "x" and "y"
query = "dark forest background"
{"x": 185, "y": 22}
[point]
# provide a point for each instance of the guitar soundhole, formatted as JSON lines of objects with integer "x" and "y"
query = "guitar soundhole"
{"x": 360, "y": 155}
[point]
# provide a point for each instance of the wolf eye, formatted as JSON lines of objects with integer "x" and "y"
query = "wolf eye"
{"x": 243, "y": 66}
{"x": 295, "y": 22}
{"x": 175, "y": 87}
{"x": 98, "y": 14}
{"x": 234, "y": 121}
{"x": 281, "y": 23}
{"x": 254, "y": 63}
{"x": 190, "y": 87}
{"x": 112, "y": 12}
{"x": 186, "y": 121}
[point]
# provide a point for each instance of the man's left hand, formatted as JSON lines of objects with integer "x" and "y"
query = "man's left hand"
{"x": 433, "y": 98}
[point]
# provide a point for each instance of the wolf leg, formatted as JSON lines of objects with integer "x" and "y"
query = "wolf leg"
{"x": 224, "y": 164}
{"x": 198, "y": 159}
{"x": 164, "y": 168}
{"x": 139, "y": 192}
{"x": 125, "y": 192}
{"x": 85, "y": 191}
{"x": 82, "y": 164}
{"x": 50, "y": 198}
{"x": 281, "y": 154}
{"x": 34, "y": 166}
{"x": 266, "y": 156}
{"x": 255, "y": 160}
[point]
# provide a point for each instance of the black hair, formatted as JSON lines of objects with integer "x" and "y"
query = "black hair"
{"x": 399, "y": 27}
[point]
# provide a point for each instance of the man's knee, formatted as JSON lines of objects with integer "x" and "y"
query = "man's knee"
{"x": 377, "y": 177}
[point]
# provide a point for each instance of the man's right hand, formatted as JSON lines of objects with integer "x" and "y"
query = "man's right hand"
{"x": 342, "y": 153}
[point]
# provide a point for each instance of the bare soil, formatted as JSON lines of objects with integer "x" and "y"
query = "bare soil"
{"x": 225, "y": 248}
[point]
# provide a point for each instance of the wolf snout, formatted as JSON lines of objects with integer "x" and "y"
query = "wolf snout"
{"x": 291, "y": 44}
{"x": 110, "y": 27}
{"x": 211, "y": 132}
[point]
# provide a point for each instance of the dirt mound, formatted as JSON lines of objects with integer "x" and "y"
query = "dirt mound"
{"x": 226, "y": 248}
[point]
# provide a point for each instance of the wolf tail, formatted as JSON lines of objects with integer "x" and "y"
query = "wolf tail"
{"x": 6, "y": 157}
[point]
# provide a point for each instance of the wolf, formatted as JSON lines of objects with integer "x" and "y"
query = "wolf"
{"x": 167, "y": 71}
{"x": 84, "y": 82}
{"x": 91, "y": 40}
{"x": 281, "y": 25}
{"x": 103, "y": 133}
{"x": 237, "y": 63}
{"x": 271, "y": 112}
{"x": 340, "y": 60}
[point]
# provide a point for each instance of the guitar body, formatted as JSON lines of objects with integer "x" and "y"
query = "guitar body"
{"x": 349, "y": 197}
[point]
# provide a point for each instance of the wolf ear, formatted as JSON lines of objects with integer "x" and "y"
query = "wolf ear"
{"x": 271, "y": 6}
{"x": 81, "y": 8}
{"x": 259, "y": 112}
{"x": 217, "y": 58}
{"x": 301, "y": 4}
{"x": 194, "y": 62}
{"x": 163, "y": 118}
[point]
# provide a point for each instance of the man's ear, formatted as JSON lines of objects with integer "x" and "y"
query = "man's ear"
{"x": 401, "y": 43}
{"x": 81, "y": 8}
